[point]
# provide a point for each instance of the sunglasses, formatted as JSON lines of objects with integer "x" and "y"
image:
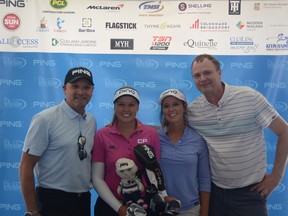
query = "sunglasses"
{"x": 81, "y": 151}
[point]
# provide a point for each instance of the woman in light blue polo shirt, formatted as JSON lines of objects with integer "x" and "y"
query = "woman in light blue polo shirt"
{"x": 183, "y": 156}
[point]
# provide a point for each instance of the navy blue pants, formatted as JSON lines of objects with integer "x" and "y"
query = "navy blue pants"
{"x": 58, "y": 203}
{"x": 101, "y": 208}
{"x": 236, "y": 202}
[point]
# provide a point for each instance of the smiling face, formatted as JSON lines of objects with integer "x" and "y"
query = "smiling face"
{"x": 78, "y": 94}
{"x": 206, "y": 76}
{"x": 173, "y": 110}
{"x": 126, "y": 108}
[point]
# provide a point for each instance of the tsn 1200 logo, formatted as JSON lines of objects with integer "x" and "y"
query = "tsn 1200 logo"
{"x": 161, "y": 42}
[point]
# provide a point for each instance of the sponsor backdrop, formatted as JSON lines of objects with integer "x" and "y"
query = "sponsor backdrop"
{"x": 145, "y": 44}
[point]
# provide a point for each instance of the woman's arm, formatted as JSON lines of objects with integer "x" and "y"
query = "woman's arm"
{"x": 102, "y": 188}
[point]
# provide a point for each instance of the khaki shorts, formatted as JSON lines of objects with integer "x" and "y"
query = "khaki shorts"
{"x": 195, "y": 211}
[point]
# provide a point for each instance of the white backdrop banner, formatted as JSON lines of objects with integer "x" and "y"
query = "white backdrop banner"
{"x": 145, "y": 44}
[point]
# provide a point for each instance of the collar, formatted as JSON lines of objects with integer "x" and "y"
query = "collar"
{"x": 223, "y": 98}
{"x": 113, "y": 128}
{"x": 70, "y": 112}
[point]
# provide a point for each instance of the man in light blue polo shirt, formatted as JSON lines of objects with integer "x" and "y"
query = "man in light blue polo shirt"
{"x": 231, "y": 119}
{"x": 58, "y": 149}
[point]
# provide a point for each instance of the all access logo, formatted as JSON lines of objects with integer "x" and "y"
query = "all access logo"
{"x": 11, "y": 22}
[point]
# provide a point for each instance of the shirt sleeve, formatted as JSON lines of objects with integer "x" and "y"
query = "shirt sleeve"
{"x": 204, "y": 174}
{"x": 37, "y": 137}
{"x": 264, "y": 112}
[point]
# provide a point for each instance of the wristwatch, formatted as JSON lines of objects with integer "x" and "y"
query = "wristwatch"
{"x": 35, "y": 213}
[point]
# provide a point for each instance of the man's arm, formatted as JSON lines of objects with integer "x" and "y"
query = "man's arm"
{"x": 27, "y": 181}
{"x": 271, "y": 181}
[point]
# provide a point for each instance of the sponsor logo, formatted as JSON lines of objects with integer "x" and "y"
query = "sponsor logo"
{"x": 275, "y": 5}
{"x": 141, "y": 84}
{"x": 281, "y": 187}
{"x": 11, "y": 22}
{"x": 194, "y": 8}
{"x": 17, "y": 42}
{"x": 181, "y": 84}
{"x": 246, "y": 44}
{"x": 147, "y": 64}
{"x": 10, "y": 207}
{"x": 114, "y": 83}
{"x": 120, "y": 26}
{"x": 18, "y": 62}
{"x": 280, "y": 42}
{"x": 110, "y": 64}
{"x": 257, "y": 6}
{"x": 59, "y": 23}
{"x": 250, "y": 25}
{"x": 86, "y": 25}
{"x": 43, "y": 104}
{"x": 240, "y": 25}
{"x": 151, "y": 8}
{"x": 164, "y": 25}
{"x": 49, "y": 83}
{"x": 161, "y": 42}
{"x": 178, "y": 65}
{"x": 105, "y": 105}
{"x": 210, "y": 26}
{"x": 122, "y": 44}
{"x": 14, "y": 103}
{"x": 42, "y": 26}
{"x": 42, "y": 62}
{"x": 202, "y": 44}
{"x": 82, "y": 61}
{"x": 234, "y": 7}
{"x": 106, "y": 8}
{"x": 8, "y": 82}
{"x": 251, "y": 83}
{"x": 12, "y": 144}
{"x": 279, "y": 65}
{"x": 149, "y": 105}
{"x": 10, "y": 124}
{"x": 276, "y": 85}
{"x": 13, "y": 3}
{"x": 275, "y": 207}
{"x": 73, "y": 43}
{"x": 280, "y": 106}
{"x": 241, "y": 65}
{"x": 9, "y": 165}
{"x": 271, "y": 147}
{"x": 11, "y": 186}
{"x": 58, "y": 4}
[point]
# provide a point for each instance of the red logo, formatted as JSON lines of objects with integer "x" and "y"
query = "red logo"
{"x": 11, "y": 22}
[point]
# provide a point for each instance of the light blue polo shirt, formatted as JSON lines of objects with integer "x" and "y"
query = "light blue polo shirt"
{"x": 53, "y": 136}
{"x": 185, "y": 166}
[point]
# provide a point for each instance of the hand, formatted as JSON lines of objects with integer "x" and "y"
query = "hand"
{"x": 168, "y": 198}
{"x": 122, "y": 211}
{"x": 266, "y": 186}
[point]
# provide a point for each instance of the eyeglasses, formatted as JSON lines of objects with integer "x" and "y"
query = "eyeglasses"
{"x": 81, "y": 151}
